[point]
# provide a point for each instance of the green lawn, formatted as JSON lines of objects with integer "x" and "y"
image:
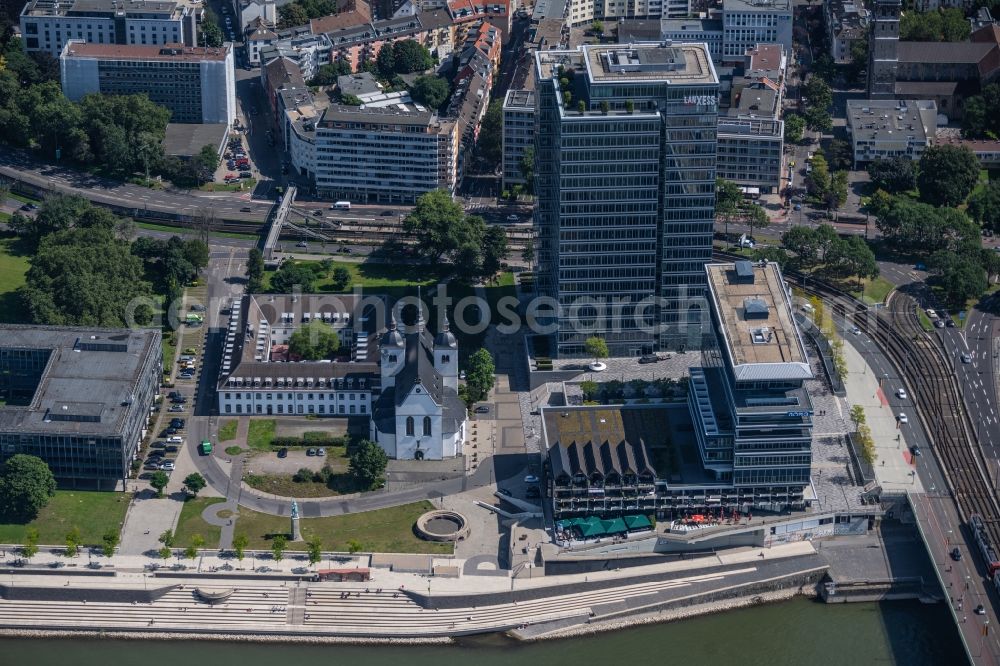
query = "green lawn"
{"x": 169, "y": 349}
{"x": 925, "y": 321}
{"x": 382, "y": 276}
{"x": 383, "y": 531}
{"x": 260, "y": 434}
{"x": 227, "y": 431}
{"x": 5, "y": 217}
{"x": 23, "y": 199}
{"x": 875, "y": 291}
{"x": 243, "y": 185}
{"x": 93, "y": 513}
{"x": 190, "y": 523}
{"x": 13, "y": 267}
{"x": 187, "y": 230}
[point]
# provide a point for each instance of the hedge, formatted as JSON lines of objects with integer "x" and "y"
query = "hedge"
{"x": 312, "y": 441}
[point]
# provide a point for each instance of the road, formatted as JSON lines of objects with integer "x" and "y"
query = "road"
{"x": 139, "y": 200}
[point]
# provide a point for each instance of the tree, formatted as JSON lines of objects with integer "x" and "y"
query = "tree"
{"x": 211, "y": 34}
{"x": 479, "y": 377}
{"x": 439, "y": 225}
{"x": 291, "y": 276}
{"x": 839, "y": 155}
{"x": 857, "y": 415}
{"x": 327, "y": 74}
{"x": 367, "y": 465}
{"x": 110, "y": 542}
{"x": 879, "y": 202}
{"x": 240, "y": 543}
{"x": 837, "y": 195}
{"x": 596, "y": 347}
{"x": 979, "y": 114}
{"x": 894, "y": 175}
{"x": 159, "y": 481}
{"x": 589, "y": 389}
{"x": 984, "y": 206}
{"x": 852, "y": 256}
{"x": 278, "y": 544}
{"x": 941, "y": 25}
{"x": 859, "y": 55}
{"x": 315, "y": 549}
{"x": 194, "y": 483}
{"x": 820, "y": 98}
{"x": 165, "y": 552}
{"x": 83, "y": 277}
{"x": 341, "y": 278}
{"x": 804, "y": 242}
{"x": 26, "y": 484}
{"x": 166, "y": 538}
{"x": 197, "y": 541}
{"x": 255, "y": 270}
{"x": 959, "y": 277}
{"x": 755, "y": 216}
{"x": 794, "y": 126}
{"x": 947, "y": 175}
{"x": 205, "y": 163}
{"x": 728, "y": 197}
{"x": 490, "y": 142}
{"x": 385, "y": 62}
{"x": 291, "y": 15}
{"x": 30, "y": 547}
{"x": 409, "y": 56}
{"x": 431, "y": 91}
{"x": 73, "y": 542}
{"x": 597, "y": 27}
{"x": 494, "y": 251}
{"x": 353, "y": 546}
{"x": 314, "y": 341}
{"x": 528, "y": 253}
{"x": 818, "y": 179}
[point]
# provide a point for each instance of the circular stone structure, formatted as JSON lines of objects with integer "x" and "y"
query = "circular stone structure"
{"x": 442, "y": 525}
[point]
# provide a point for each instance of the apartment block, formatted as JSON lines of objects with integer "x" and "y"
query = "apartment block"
{"x": 78, "y": 398}
{"x": 883, "y": 129}
{"x": 746, "y": 23}
{"x": 308, "y": 51}
{"x": 625, "y": 155}
{"x": 47, "y": 25}
{"x": 846, "y": 23}
{"x": 389, "y": 149}
{"x": 197, "y": 84}
{"x": 518, "y": 133}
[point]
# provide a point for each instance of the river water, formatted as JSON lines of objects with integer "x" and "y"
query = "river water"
{"x": 800, "y": 632}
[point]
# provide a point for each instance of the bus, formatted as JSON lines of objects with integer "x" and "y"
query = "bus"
{"x": 205, "y": 448}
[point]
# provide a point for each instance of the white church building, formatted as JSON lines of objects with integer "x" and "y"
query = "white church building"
{"x": 404, "y": 382}
{"x": 418, "y": 414}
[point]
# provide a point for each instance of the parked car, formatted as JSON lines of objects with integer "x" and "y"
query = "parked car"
{"x": 157, "y": 445}
{"x": 174, "y": 394}
{"x": 175, "y": 440}
{"x": 482, "y": 409}
{"x": 176, "y": 408}
{"x": 167, "y": 466}
{"x": 321, "y": 451}
{"x": 151, "y": 466}
{"x": 649, "y": 358}
{"x": 191, "y": 350}
{"x": 282, "y": 452}
{"x": 311, "y": 452}
{"x": 172, "y": 448}
{"x": 245, "y": 174}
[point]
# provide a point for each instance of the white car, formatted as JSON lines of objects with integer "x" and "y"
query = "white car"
{"x": 175, "y": 440}
{"x": 966, "y": 357}
{"x": 531, "y": 478}
{"x": 903, "y": 418}
{"x": 167, "y": 467}
{"x": 931, "y": 313}
{"x": 901, "y": 394}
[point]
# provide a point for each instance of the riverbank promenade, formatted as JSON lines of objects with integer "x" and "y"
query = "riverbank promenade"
{"x": 389, "y": 605}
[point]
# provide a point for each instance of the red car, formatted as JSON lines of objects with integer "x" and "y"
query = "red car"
{"x": 230, "y": 176}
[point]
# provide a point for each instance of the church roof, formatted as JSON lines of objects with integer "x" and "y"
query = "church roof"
{"x": 445, "y": 339}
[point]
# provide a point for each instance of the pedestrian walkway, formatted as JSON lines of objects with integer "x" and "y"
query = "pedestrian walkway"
{"x": 894, "y": 467}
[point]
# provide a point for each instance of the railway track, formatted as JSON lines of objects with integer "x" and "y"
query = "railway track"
{"x": 919, "y": 359}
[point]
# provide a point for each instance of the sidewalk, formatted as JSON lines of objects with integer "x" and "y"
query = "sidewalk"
{"x": 894, "y": 467}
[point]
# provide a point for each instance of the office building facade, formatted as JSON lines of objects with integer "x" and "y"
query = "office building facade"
{"x": 78, "y": 398}
{"x": 747, "y": 23}
{"x": 518, "y": 134}
{"x": 625, "y": 155}
{"x": 47, "y": 25}
{"x": 197, "y": 84}
{"x": 751, "y": 412}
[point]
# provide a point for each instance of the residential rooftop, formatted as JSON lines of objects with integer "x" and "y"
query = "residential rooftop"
{"x": 755, "y": 315}
{"x": 146, "y": 52}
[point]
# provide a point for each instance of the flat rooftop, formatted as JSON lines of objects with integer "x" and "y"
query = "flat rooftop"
{"x": 88, "y": 382}
{"x": 83, "y": 7}
{"x": 756, "y": 5}
{"x": 680, "y": 63}
{"x": 519, "y": 99}
{"x": 755, "y": 316}
{"x": 187, "y": 139}
{"x": 144, "y": 52}
{"x": 891, "y": 120}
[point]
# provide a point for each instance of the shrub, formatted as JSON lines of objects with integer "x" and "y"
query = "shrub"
{"x": 304, "y": 475}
